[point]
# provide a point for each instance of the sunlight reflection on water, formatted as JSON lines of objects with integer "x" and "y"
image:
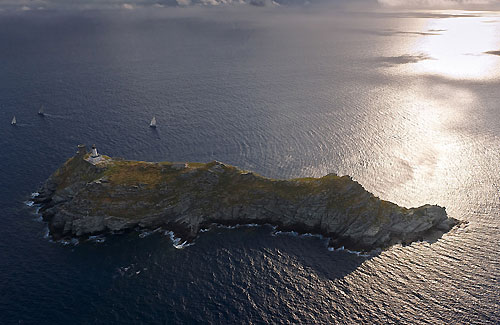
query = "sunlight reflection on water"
{"x": 459, "y": 50}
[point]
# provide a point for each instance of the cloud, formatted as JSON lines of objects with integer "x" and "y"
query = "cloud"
{"x": 210, "y": 2}
{"x": 422, "y": 4}
{"x": 16, "y": 5}
{"x": 493, "y": 52}
{"x": 419, "y": 33}
{"x": 183, "y": 2}
{"x": 25, "y": 8}
{"x": 389, "y": 32}
{"x": 403, "y": 59}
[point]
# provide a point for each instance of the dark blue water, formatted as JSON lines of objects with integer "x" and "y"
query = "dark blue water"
{"x": 264, "y": 93}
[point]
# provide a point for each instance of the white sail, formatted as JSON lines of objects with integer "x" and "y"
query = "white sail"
{"x": 41, "y": 111}
{"x": 153, "y": 122}
{"x": 13, "y": 121}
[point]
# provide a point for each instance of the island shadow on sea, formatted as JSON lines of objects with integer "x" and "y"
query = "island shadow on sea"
{"x": 236, "y": 243}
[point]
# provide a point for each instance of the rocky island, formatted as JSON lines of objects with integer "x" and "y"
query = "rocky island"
{"x": 93, "y": 194}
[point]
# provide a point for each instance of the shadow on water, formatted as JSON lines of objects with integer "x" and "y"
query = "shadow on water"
{"x": 297, "y": 255}
{"x": 155, "y": 132}
{"x": 233, "y": 253}
{"x": 249, "y": 261}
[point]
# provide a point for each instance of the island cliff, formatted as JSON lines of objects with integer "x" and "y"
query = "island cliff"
{"x": 88, "y": 196}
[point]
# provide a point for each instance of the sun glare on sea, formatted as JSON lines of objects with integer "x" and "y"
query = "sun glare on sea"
{"x": 461, "y": 47}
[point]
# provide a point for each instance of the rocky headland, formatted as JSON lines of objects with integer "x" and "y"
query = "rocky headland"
{"x": 90, "y": 196}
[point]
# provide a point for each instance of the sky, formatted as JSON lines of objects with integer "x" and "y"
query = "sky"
{"x": 28, "y": 5}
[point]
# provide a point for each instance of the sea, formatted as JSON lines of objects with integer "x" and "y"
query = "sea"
{"x": 405, "y": 102}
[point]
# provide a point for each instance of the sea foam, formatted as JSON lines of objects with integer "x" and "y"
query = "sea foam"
{"x": 176, "y": 242}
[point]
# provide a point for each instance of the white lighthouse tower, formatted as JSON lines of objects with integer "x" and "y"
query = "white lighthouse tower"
{"x": 94, "y": 153}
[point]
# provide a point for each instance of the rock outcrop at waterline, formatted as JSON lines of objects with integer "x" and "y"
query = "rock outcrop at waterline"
{"x": 88, "y": 196}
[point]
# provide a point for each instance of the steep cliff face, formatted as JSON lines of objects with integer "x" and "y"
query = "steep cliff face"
{"x": 86, "y": 197}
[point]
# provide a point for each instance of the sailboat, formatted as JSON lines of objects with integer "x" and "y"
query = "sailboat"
{"x": 14, "y": 122}
{"x": 153, "y": 122}
{"x": 41, "y": 111}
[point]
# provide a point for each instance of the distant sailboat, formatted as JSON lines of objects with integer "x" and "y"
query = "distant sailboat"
{"x": 41, "y": 111}
{"x": 14, "y": 122}
{"x": 153, "y": 123}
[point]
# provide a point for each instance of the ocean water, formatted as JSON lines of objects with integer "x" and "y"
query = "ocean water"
{"x": 405, "y": 103}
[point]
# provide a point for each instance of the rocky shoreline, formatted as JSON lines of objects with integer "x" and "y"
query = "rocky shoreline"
{"x": 89, "y": 196}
